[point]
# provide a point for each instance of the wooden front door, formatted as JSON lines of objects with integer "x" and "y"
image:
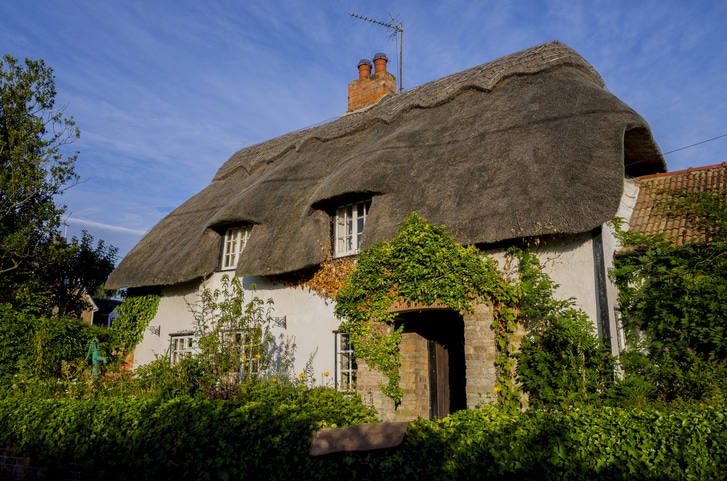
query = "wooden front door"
{"x": 439, "y": 389}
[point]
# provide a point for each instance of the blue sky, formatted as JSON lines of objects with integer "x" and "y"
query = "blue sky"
{"x": 164, "y": 91}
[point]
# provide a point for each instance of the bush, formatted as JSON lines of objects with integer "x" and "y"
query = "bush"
{"x": 34, "y": 346}
{"x": 266, "y": 435}
{"x": 561, "y": 361}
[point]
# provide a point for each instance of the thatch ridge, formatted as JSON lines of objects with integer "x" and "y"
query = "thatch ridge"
{"x": 486, "y": 77}
{"x": 529, "y": 144}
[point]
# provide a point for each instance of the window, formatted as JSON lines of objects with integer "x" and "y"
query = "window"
{"x": 180, "y": 345}
{"x": 233, "y": 244}
{"x": 248, "y": 347}
{"x": 350, "y": 220}
{"x": 345, "y": 363}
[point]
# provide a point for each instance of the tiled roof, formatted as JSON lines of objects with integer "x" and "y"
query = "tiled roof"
{"x": 651, "y": 215}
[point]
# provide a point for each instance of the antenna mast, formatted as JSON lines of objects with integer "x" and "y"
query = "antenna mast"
{"x": 396, "y": 28}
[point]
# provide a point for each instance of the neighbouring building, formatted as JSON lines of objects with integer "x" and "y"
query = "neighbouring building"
{"x": 528, "y": 145}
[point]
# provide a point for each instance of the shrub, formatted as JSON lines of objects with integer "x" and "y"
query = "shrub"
{"x": 266, "y": 435}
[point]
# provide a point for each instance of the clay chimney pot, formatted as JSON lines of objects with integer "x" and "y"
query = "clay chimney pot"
{"x": 364, "y": 69}
{"x": 380, "y": 60}
{"x": 368, "y": 89}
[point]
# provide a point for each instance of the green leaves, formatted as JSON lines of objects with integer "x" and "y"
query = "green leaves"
{"x": 34, "y": 166}
{"x": 264, "y": 436}
{"x": 422, "y": 264}
{"x": 135, "y": 314}
{"x": 675, "y": 295}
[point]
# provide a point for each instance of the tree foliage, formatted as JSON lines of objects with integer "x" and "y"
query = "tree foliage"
{"x": 44, "y": 281}
{"x": 561, "y": 361}
{"x": 71, "y": 274}
{"x": 36, "y": 167}
{"x": 673, "y": 297}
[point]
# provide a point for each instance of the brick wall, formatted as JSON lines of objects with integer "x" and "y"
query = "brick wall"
{"x": 367, "y": 91}
{"x": 18, "y": 467}
{"x": 22, "y": 468}
{"x": 480, "y": 355}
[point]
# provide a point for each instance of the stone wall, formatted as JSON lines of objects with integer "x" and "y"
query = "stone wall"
{"x": 480, "y": 353}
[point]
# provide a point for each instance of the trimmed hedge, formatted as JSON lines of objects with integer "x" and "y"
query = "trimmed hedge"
{"x": 264, "y": 437}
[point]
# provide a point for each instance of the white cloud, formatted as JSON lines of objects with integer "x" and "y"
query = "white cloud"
{"x": 164, "y": 92}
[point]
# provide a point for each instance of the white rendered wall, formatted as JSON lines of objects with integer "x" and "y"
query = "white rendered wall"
{"x": 569, "y": 263}
{"x": 309, "y": 318}
{"x": 610, "y": 247}
{"x": 172, "y": 316}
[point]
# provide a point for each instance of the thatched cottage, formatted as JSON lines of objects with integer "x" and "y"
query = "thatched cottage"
{"x": 528, "y": 145}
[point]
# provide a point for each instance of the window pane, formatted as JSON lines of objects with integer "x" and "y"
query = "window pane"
{"x": 233, "y": 244}
{"x": 345, "y": 364}
{"x": 349, "y": 226}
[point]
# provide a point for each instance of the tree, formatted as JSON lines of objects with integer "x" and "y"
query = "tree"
{"x": 36, "y": 167}
{"x": 81, "y": 269}
{"x": 676, "y": 296}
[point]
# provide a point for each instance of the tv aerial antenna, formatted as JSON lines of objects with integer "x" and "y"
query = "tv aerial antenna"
{"x": 396, "y": 26}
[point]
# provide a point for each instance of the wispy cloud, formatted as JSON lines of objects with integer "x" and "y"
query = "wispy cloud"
{"x": 98, "y": 225}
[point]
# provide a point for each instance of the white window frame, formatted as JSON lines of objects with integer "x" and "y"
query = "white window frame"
{"x": 181, "y": 344}
{"x": 250, "y": 348}
{"x": 233, "y": 243}
{"x": 349, "y": 226}
{"x": 345, "y": 368}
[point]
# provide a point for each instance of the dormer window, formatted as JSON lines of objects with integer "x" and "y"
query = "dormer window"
{"x": 350, "y": 221}
{"x": 233, "y": 243}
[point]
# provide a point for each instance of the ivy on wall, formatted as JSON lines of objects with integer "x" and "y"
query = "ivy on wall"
{"x": 423, "y": 264}
{"x": 325, "y": 279}
{"x": 135, "y": 314}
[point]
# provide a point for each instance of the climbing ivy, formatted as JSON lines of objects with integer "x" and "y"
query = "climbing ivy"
{"x": 423, "y": 264}
{"x": 135, "y": 314}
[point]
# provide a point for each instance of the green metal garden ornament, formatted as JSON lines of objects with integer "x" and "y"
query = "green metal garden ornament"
{"x": 95, "y": 354}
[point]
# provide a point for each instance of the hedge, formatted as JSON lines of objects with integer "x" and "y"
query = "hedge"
{"x": 267, "y": 437}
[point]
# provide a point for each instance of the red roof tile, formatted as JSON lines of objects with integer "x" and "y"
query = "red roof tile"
{"x": 651, "y": 214}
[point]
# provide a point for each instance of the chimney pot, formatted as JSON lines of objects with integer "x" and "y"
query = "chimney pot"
{"x": 364, "y": 69}
{"x": 368, "y": 89}
{"x": 380, "y": 60}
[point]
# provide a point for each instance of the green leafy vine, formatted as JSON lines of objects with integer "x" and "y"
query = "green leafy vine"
{"x": 135, "y": 314}
{"x": 423, "y": 264}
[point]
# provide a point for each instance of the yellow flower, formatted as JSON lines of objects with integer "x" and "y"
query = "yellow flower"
{"x": 497, "y": 389}
{"x": 257, "y": 356}
{"x": 243, "y": 358}
{"x": 325, "y": 374}
{"x": 302, "y": 375}
{"x": 275, "y": 379}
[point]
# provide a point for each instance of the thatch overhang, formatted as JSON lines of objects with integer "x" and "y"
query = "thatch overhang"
{"x": 530, "y": 144}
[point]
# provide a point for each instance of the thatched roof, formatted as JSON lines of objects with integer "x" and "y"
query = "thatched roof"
{"x": 652, "y": 213}
{"x": 529, "y": 144}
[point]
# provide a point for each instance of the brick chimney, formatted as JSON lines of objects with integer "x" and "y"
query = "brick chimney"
{"x": 369, "y": 88}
